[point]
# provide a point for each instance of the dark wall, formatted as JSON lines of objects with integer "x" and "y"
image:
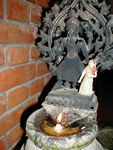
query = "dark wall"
{"x": 104, "y": 89}
{"x": 105, "y": 97}
{"x": 110, "y": 2}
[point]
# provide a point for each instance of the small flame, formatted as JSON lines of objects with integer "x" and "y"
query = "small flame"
{"x": 59, "y": 118}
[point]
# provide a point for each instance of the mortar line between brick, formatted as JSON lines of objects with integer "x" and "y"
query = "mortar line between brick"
{"x": 5, "y": 56}
{"x": 17, "y": 87}
{"x": 37, "y": 78}
{"x": 5, "y": 9}
{"x": 2, "y": 136}
{"x": 46, "y": 76}
{"x": 30, "y": 14}
{"x": 37, "y": 94}
{"x": 16, "y": 44}
{"x": 18, "y": 22}
{"x": 30, "y": 57}
{"x": 20, "y": 65}
{"x": 29, "y": 90}
{"x": 9, "y": 111}
{"x": 16, "y": 66}
{"x": 24, "y": 84}
{"x": 37, "y": 67}
{"x": 8, "y": 132}
{"x": 3, "y": 93}
{"x": 13, "y": 146}
{"x": 32, "y": 4}
{"x": 26, "y": 2}
{"x": 4, "y": 68}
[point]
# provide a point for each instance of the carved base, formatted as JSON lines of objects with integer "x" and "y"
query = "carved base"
{"x": 73, "y": 105}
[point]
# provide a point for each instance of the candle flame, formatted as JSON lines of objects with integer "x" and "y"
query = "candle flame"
{"x": 59, "y": 118}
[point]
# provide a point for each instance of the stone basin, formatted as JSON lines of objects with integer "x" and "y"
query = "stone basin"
{"x": 48, "y": 142}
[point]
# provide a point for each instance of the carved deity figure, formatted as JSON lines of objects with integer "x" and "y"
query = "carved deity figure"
{"x": 86, "y": 79}
{"x": 71, "y": 67}
{"x": 74, "y": 32}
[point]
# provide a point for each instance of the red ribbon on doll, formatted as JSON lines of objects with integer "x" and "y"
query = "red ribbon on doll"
{"x": 94, "y": 70}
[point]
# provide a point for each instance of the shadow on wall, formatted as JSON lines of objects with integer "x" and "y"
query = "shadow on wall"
{"x": 33, "y": 108}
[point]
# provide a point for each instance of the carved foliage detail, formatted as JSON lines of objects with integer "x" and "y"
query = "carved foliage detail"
{"x": 74, "y": 32}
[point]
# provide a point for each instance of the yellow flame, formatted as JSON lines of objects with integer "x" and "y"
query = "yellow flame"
{"x": 59, "y": 118}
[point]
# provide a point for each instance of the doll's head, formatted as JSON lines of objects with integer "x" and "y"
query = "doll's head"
{"x": 92, "y": 63}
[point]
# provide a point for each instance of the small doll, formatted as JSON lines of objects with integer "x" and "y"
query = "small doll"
{"x": 90, "y": 72}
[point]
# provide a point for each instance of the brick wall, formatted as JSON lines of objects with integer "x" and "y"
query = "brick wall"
{"x": 22, "y": 73}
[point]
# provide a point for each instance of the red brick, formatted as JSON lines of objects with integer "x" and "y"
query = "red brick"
{"x": 18, "y": 55}
{"x": 9, "y": 121}
{"x": 14, "y": 135}
{"x": 32, "y": 1}
{"x": 1, "y": 8}
{"x": 43, "y": 3}
{"x": 12, "y": 77}
{"x": 48, "y": 77}
{"x": 42, "y": 69}
{"x": 17, "y": 10}
{"x": 37, "y": 86}
{"x": 3, "y": 101}
{"x": 31, "y": 102}
{"x": 17, "y": 96}
{"x": 13, "y": 33}
{"x": 1, "y": 55}
{"x": 2, "y": 144}
{"x": 35, "y": 54}
{"x": 36, "y": 15}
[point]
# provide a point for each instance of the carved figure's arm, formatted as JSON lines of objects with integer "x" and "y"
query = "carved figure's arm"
{"x": 82, "y": 76}
{"x": 84, "y": 48}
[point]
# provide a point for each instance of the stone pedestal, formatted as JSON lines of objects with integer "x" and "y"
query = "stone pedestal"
{"x": 76, "y": 109}
{"x": 95, "y": 145}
